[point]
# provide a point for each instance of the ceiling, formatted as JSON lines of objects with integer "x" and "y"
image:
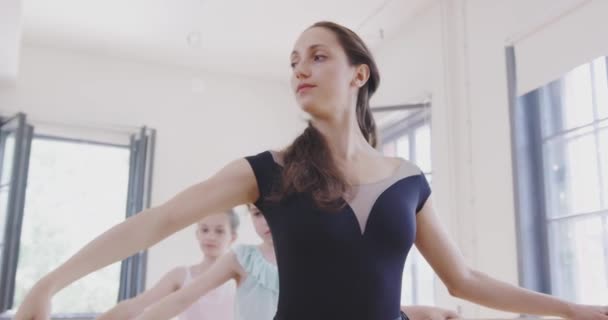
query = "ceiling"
{"x": 249, "y": 37}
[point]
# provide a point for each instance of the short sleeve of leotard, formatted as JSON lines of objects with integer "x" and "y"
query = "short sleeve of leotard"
{"x": 424, "y": 192}
{"x": 266, "y": 173}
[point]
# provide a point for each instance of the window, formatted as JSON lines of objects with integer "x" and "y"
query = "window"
{"x": 76, "y": 190}
{"x": 406, "y": 133}
{"x": 567, "y": 123}
{"x": 62, "y": 192}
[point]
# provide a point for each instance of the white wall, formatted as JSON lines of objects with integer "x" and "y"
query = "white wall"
{"x": 571, "y": 34}
{"x": 454, "y": 51}
{"x": 10, "y": 33}
{"x": 203, "y": 120}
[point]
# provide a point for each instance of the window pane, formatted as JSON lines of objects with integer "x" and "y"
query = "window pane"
{"x": 75, "y": 192}
{"x": 577, "y": 97}
{"x": 550, "y": 107}
{"x": 583, "y": 186}
{"x": 571, "y": 174}
{"x": 603, "y": 138}
{"x": 386, "y": 120}
{"x": 600, "y": 74}
{"x": 403, "y": 147}
{"x": 562, "y": 256}
{"x": 577, "y": 260}
{"x": 407, "y": 285}
{"x": 423, "y": 148}
{"x": 425, "y": 280}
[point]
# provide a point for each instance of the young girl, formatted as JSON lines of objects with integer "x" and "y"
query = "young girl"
{"x": 252, "y": 266}
{"x": 343, "y": 216}
{"x": 215, "y": 234}
{"x": 254, "y": 269}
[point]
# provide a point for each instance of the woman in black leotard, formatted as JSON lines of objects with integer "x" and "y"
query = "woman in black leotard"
{"x": 343, "y": 216}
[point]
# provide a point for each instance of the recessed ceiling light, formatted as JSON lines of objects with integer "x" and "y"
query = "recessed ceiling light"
{"x": 194, "y": 39}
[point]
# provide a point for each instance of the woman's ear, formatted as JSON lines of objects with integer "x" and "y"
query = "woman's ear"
{"x": 361, "y": 75}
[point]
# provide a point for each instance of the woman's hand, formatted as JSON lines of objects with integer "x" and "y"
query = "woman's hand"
{"x": 585, "y": 312}
{"x": 428, "y": 313}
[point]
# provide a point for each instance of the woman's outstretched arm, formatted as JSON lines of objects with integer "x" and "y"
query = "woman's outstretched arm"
{"x": 233, "y": 185}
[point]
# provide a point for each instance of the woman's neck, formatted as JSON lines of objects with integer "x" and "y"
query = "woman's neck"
{"x": 344, "y": 138}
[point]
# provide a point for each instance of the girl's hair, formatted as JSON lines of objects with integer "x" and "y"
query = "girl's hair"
{"x": 234, "y": 220}
{"x": 252, "y": 208}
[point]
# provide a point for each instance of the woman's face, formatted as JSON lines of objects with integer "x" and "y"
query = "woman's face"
{"x": 323, "y": 80}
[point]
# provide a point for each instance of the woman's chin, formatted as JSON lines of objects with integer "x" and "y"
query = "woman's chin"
{"x": 309, "y": 107}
